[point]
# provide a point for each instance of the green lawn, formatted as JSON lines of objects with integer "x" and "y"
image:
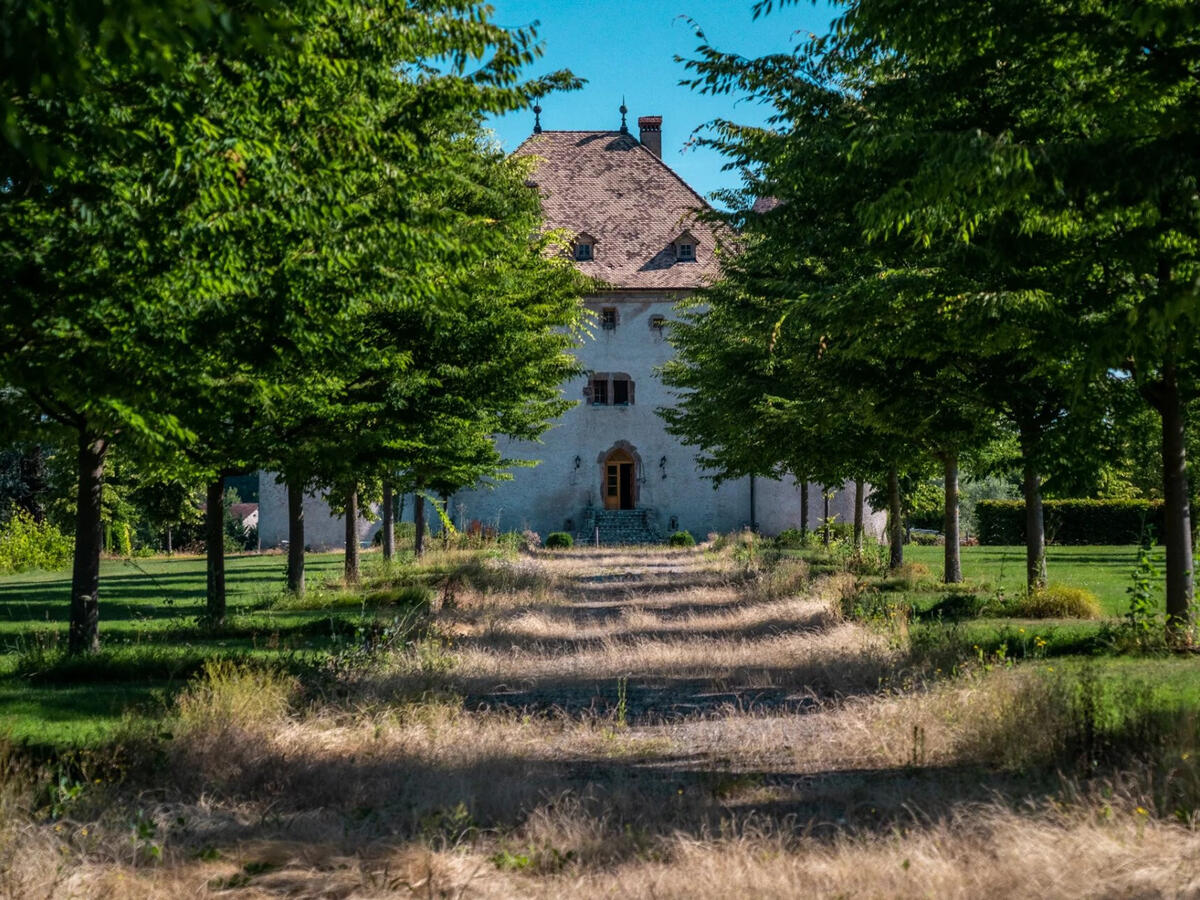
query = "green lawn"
{"x": 152, "y": 641}
{"x": 1103, "y": 570}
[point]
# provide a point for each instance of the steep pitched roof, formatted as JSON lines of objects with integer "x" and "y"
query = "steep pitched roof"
{"x": 608, "y": 185}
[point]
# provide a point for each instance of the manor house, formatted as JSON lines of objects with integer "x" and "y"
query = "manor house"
{"x": 609, "y": 465}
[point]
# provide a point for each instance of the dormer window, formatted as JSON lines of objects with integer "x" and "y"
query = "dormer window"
{"x": 585, "y": 247}
{"x": 685, "y": 247}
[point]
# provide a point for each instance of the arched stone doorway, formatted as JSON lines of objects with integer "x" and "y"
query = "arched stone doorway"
{"x": 618, "y": 469}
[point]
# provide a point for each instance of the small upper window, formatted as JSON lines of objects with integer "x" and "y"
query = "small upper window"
{"x": 685, "y": 247}
{"x": 608, "y": 317}
{"x": 585, "y": 247}
{"x": 657, "y": 323}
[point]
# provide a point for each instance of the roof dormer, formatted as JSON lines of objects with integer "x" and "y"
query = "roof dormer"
{"x": 584, "y": 248}
{"x": 685, "y": 247}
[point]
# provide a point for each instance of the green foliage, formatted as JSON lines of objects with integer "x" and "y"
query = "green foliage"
{"x": 925, "y": 505}
{"x": 27, "y": 544}
{"x": 1055, "y": 601}
{"x": 1143, "y": 616}
{"x": 793, "y": 539}
{"x": 925, "y": 539}
{"x": 682, "y": 539}
{"x": 1076, "y": 522}
{"x": 559, "y": 540}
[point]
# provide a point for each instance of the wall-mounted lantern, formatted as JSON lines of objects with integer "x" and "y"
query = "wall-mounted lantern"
{"x": 662, "y": 466}
{"x": 578, "y": 462}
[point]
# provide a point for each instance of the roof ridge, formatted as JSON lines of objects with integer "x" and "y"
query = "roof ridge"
{"x": 654, "y": 156}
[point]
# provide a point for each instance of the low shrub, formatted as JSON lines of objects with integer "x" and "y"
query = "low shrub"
{"x": 682, "y": 539}
{"x": 908, "y": 577}
{"x": 957, "y": 605}
{"x": 1056, "y": 601}
{"x": 786, "y": 577}
{"x": 27, "y": 544}
{"x": 559, "y": 540}
{"x": 793, "y": 539}
{"x": 530, "y": 540}
{"x": 925, "y": 539}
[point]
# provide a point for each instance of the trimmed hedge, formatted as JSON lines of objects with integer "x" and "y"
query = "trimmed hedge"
{"x": 559, "y": 540}
{"x": 1071, "y": 521}
{"x": 682, "y": 539}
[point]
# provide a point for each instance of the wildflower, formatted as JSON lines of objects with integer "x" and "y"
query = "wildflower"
{"x": 1142, "y": 811}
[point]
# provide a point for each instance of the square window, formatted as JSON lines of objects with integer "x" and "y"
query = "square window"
{"x": 599, "y": 392}
{"x": 583, "y": 252}
{"x": 657, "y": 323}
{"x": 608, "y": 317}
{"x": 687, "y": 251}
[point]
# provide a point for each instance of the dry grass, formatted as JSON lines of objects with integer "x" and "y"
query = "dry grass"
{"x": 641, "y": 723}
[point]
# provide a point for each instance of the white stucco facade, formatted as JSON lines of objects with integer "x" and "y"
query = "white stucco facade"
{"x": 569, "y": 473}
{"x": 569, "y": 477}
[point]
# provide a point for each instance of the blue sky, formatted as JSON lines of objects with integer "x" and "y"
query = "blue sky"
{"x": 628, "y": 47}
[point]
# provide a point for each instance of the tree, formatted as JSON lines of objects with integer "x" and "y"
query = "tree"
{"x": 865, "y": 357}
{"x": 148, "y": 268}
{"x": 1072, "y": 123}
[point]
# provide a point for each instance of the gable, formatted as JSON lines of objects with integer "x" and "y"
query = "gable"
{"x": 608, "y": 185}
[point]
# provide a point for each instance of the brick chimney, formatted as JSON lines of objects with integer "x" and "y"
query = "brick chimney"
{"x": 650, "y": 133}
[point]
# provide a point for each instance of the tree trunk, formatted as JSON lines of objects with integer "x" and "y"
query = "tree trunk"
{"x": 1177, "y": 536}
{"x": 84, "y": 633}
{"x": 895, "y": 521}
{"x": 753, "y": 505}
{"x": 953, "y": 557}
{"x": 214, "y": 550}
{"x": 419, "y": 521}
{"x": 389, "y": 522}
{"x": 804, "y": 508}
{"x": 169, "y": 550}
{"x": 858, "y": 515}
{"x": 1035, "y": 525}
{"x": 352, "y": 537}
{"x": 825, "y": 522}
{"x": 295, "y": 563}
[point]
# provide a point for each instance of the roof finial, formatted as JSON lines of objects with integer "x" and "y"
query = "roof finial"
{"x": 537, "y": 118}
{"x": 624, "y": 127}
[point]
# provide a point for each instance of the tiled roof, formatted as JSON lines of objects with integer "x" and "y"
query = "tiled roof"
{"x": 764, "y": 204}
{"x": 608, "y": 185}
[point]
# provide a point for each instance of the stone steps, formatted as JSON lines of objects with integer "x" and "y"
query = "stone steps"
{"x": 618, "y": 526}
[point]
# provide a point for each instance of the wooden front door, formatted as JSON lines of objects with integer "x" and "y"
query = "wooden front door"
{"x": 618, "y": 481}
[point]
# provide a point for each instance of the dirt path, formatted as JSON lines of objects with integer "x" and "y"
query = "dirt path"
{"x": 634, "y": 723}
{"x": 652, "y": 637}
